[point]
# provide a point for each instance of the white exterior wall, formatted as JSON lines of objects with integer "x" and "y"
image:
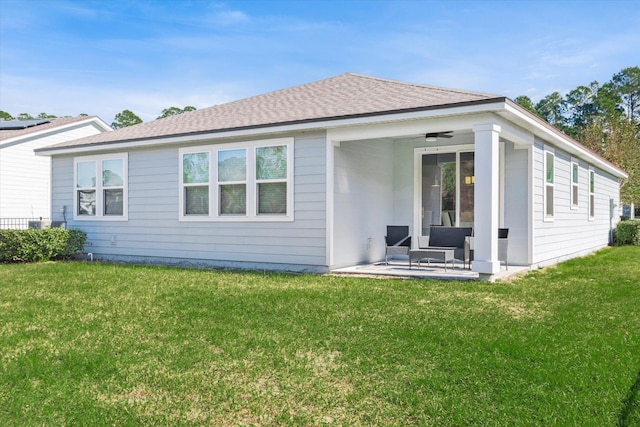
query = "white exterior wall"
{"x": 363, "y": 199}
{"x": 571, "y": 232}
{"x": 25, "y": 178}
{"x": 154, "y": 234}
{"x": 516, "y": 206}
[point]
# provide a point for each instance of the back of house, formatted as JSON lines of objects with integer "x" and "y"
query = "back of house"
{"x": 307, "y": 179}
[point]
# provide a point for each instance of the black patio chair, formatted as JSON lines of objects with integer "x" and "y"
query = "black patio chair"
{"x": 398, "y": 241}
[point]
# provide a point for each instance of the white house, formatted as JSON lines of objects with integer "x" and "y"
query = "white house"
{"x": 307, "y": 179}
{"x": 25, "y": 179}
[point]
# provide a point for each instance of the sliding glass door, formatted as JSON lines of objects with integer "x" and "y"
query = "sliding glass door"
{"x": 447, "y": 193}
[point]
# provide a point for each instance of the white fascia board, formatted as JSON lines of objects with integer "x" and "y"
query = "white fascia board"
{"x": 559, "y": 141}
{"x": 270, "y": 130}
{"x": 32, "y": 135}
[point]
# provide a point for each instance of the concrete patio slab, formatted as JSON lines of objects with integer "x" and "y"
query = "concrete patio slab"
{"x": 434, "y": 271}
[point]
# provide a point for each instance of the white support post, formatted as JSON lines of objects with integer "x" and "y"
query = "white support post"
{"x": 486, "y": 200}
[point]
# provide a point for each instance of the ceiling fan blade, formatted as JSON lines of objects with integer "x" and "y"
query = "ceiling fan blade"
{"x": 444, "y": 134}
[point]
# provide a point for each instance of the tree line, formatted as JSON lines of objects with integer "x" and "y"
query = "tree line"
{"x": 122, "y": 119}
{"x": 603, "y": 117}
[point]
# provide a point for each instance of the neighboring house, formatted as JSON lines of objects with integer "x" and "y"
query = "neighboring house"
{"x": 25, "y": 179}
{"x": 307, "y": 178}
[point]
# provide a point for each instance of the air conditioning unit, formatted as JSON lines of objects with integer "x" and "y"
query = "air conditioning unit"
{"x": 39, "y": 225}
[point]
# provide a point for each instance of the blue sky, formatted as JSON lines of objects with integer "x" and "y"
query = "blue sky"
{"x": 68, "y": 57}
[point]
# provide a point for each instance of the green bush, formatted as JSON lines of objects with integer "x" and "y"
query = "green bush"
{"x": 628, "y": 232}
{"x": 40, "y": 245}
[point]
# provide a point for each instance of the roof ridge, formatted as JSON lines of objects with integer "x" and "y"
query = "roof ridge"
{"x": 426, "y": 86}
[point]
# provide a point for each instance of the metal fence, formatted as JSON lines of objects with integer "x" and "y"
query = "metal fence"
{"x": 23, "y": 223}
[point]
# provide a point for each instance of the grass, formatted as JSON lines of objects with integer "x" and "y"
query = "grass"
{"x": 99, "y": 344}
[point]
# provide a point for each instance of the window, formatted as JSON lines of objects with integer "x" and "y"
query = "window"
{"x": 574, "y": 184}
{"x": 592, "y": 195}
{"x": 448, "y": 189}
{"x": 238, "y": 182}
{"x": 271, "y": 179}
{"x": 100, "y": 187}
{"x": 549, "y": 185}
{"x": 195, "y": 178}
{"x": 232, "y": 181}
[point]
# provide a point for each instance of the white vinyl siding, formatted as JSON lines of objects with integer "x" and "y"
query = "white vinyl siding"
{"x": 154, "y": 233}
{"x": 25, "y": 179}
{"x": 364, "y": 188}
{"x": 516, "y": 204}
{"x": 571, "y": 233}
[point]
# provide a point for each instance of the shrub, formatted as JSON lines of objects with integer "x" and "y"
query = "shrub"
{"x": 628, "y": 232}
{"x": 75, "y": 242}
{"x": 40, "y": 245}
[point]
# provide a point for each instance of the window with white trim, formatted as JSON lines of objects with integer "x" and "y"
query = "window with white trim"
{"x": 195, "y": 180}
{"x": 549, "y": 184}
{"x": 575, "y": 171}
{"x": 232, "y": 181}
{"x": 100, "y": 187}
{"x": 592, "y": 193}
{"x": 248, "y": 181}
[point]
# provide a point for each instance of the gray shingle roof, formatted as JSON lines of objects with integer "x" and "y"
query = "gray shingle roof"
{"x": 346, "y": 95}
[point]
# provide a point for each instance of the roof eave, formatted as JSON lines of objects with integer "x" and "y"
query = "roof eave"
{"x": 306, "y": 124}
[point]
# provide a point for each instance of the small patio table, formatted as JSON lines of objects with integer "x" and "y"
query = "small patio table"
{"x": 441, "y": 253}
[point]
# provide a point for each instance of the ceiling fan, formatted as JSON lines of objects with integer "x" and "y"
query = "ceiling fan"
{"x": 433, "y": 136}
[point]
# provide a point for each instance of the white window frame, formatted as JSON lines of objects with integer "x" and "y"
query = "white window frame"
{"x": 592, "y": 194}
{"x": 99, "y": 188}
{"x": 575, "y": 185}
{"x": 184, "y": 186}
{"x": 549, "y": 185}
{"x": 251, "y": 182}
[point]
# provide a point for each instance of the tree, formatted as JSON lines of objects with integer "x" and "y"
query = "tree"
{"x": 580, "y": 107}
{"x": 608, "y": 101}
{"x": 627, "y": 85}
{"x": 174, "y": 111}
{"x": 25, "y": 116}
{"x": 551, "y": 108}
{"x": 124, "y": 119}
{"x": 5, "y": 116}
{"x": 527, "y": 103}
{"x": 46, "y": 116}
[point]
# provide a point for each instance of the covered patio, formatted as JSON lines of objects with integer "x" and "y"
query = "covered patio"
{"x": 456, "y": 172}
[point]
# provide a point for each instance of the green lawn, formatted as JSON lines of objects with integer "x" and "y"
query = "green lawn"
{"x": 100, "y": 344}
